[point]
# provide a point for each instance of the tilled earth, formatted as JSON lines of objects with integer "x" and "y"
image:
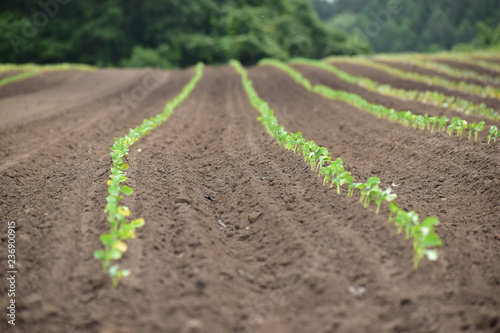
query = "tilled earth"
{"x": 240, "y": 234}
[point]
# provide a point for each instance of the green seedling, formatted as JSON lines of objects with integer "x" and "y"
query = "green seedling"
{"x": 385, "y": 196}
{"x": 355, "y": 186}
{"x": 406, "y": 118}
{"x": 117, "y": 274}
{"x": 342, "y": 179}
{"x": 442, "y": 123}
{"x": 463, "y": 86}
{"x": 476, "y": 128}
{"x": 427, "y": 97}
{"x": 336, "y": 167}
{"x": 320, "y": 156}
{"x": 418, "y": 121}
{"x": 425, "y": 241}
{"x": 431, "y": 123}
{"x": 369, "y": 189}
{"x": 493, "y": 134}
{"x": 293, "y": 141}
{"x": 457, "y": 124}
{"x": 320, "y": 159}
{"x": 479, "y": 128}
{"x": 120, "y": 229}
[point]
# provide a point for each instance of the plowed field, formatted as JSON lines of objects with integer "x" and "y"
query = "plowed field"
{"x": 240, "y": 234}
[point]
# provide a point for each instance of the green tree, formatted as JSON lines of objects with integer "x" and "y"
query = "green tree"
{"x": 167, "y": 33}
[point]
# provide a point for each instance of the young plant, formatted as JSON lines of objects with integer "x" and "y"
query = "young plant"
{"x": 457, "y": 124}
{"x": 493, "y": 134}
{"x": 476, "y": 128}
{"x": 319, "y": 157}
{"x": 428, "y": 97}
{"x": 425, "y": 241}
{"x": 442, "y": 123}
{"x": 463, "y": 86}
{"x": 479, "y": 128}
{"x": 385, "y": 196}
{"x": 406, "y": 118}
{"x": 120, "y": 229}
{"x": 368, "y": 190}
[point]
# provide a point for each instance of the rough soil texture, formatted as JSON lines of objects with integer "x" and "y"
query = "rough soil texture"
{"x": 240, "y": 234}
{"x": 462, "y": 65}
{"x": 432, "y": 173}
{"x": 408, "y": 67}
{"x": 383, "y": 77}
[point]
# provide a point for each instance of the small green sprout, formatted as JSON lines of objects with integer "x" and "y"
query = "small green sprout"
{"x": 385, "y": 196}
{"x": 442, "y": 123}
{"x": 117, "y": 274}
{"x": 476, "y": 128}
{"x": 120, "y": 229}
{"x": 369, "y": 190}
{"x": 479, "y": 128}
{"x": 425, "y": 241}
{"x": 418, "y": 121}
{"x": 493, "y": 134}
{"x": 427, "y": 97}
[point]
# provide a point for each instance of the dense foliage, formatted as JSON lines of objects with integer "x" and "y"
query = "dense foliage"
{"x": 165, "y": 33}
{"x": 407, "y": 25}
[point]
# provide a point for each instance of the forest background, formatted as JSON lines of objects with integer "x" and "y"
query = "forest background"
{"x": 179, "y": 33}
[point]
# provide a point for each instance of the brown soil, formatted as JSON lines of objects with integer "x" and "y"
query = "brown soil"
{"x": 318, "y": 76}
{"x": 240, "y": 234}
{"x": 3, "y": 75}
{"x": 417, "y": 69}
{"x": 382, "y": 77}
{"x": 495, "y": 60}
{"x": 433, "y": 173}
{"x": 38, "y": 82}
{"x": 462, "y": 65}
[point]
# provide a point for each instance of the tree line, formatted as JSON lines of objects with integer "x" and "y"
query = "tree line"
{"x": 167, "y": 33}
{"x": 419, "y": 26}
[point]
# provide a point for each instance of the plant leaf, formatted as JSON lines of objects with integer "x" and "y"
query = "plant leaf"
{"x": 127, "y": 190}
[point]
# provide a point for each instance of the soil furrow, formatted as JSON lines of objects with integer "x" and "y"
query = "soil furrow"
{"x": 44, "y": 119}
{"x": 463, "y": 65}
{"x": 56, "y": 198}
{"x": 494, "y": 60}
{"x": 38, "y": 82}
{"x": 408, "y": 67}
{"x": 319, "y": 76}
{"x": 382, "y": 77}
{"x": 260, "y": 194}
{"x": 6, "y": 74}
{"x": 240, "y": 234}
{"x": 433, "y": 175}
